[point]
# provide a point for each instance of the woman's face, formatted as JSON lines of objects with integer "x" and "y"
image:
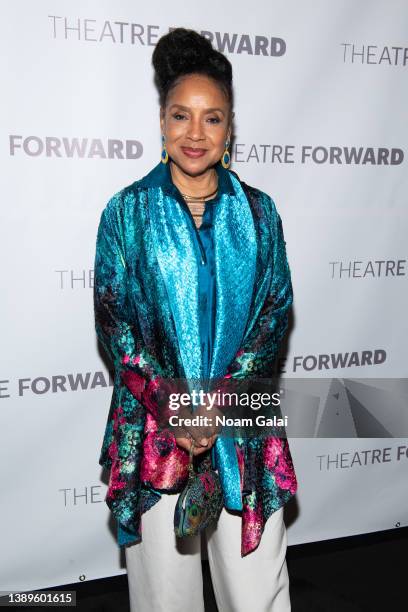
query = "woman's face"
{"x": 196, "y": 123}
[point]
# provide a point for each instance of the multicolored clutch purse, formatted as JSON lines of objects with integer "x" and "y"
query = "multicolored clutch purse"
{"x": 201, "y": 501}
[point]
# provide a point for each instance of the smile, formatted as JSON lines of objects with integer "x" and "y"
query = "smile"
{"x": 193, "y": 152}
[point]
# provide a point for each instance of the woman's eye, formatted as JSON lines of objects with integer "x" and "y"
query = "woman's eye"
{"x": 180, "y": 116}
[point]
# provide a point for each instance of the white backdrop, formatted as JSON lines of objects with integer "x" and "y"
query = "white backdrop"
{"x": 77, "y": 76}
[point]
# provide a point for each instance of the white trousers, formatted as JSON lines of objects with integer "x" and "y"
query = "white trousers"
{"x": 164, "y": 572}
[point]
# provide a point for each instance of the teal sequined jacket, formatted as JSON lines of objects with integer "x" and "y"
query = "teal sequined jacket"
{"x": 146, "y": 302}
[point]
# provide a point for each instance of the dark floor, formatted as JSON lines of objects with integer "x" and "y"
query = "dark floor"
{"x": 367, "y": 572}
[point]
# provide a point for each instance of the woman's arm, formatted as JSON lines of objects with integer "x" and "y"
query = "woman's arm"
{"x": 113, "y": 328}
{"x": 116, "y": 331}
{"x": 110, "y": 301}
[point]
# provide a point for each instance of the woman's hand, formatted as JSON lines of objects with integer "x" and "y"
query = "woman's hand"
{"x": 204, "y": 436}
{"x": 199, "y": 447}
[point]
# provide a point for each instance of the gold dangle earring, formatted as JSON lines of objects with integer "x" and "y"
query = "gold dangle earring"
{"x": 164, "y": 154}
{"x": 226, "y": 157}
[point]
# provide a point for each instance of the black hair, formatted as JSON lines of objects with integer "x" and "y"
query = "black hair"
{"x": 183, "y": 51}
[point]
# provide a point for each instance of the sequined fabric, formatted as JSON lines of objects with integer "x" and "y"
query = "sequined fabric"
{"x": 147, "y": 317}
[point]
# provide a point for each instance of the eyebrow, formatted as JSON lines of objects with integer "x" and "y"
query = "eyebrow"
{"x": 207, "y": 110}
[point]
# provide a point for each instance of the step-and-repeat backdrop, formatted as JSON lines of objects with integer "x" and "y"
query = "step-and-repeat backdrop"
{"x": 320, "y": 124}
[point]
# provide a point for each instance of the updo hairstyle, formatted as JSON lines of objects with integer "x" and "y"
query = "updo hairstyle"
{"x": 183, "y": 51}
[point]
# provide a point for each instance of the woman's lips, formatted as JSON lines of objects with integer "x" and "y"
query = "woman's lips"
{"x": 193, "y": 152}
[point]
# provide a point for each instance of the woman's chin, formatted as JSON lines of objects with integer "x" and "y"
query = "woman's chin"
{"x": 194, "y": 167}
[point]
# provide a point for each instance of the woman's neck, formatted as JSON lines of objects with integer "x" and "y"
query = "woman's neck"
{"x": 197, "y": 186}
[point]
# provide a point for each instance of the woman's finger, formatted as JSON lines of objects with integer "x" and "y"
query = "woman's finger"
{"x": 185, "y": 443}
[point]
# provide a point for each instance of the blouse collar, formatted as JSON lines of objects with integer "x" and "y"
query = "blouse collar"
{"x": 160, "y": 176}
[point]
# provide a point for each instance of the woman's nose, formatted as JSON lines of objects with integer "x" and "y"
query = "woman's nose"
{"x": 195, "y": 130}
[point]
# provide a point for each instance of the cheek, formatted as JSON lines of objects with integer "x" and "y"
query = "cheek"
{"x": 175, "y": 130}
{"x": 219, "y": 140}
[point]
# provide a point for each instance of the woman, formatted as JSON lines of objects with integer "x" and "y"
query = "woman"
{"x": 192, "y": 282}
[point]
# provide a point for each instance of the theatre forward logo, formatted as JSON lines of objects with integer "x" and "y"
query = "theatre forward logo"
{"x": 67, "y": 147}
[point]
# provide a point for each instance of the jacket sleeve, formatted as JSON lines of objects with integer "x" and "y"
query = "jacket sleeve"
{"x": 113, "y": 327}
{"x": 259, "y": 349}
{"x": 116, "y": 329}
